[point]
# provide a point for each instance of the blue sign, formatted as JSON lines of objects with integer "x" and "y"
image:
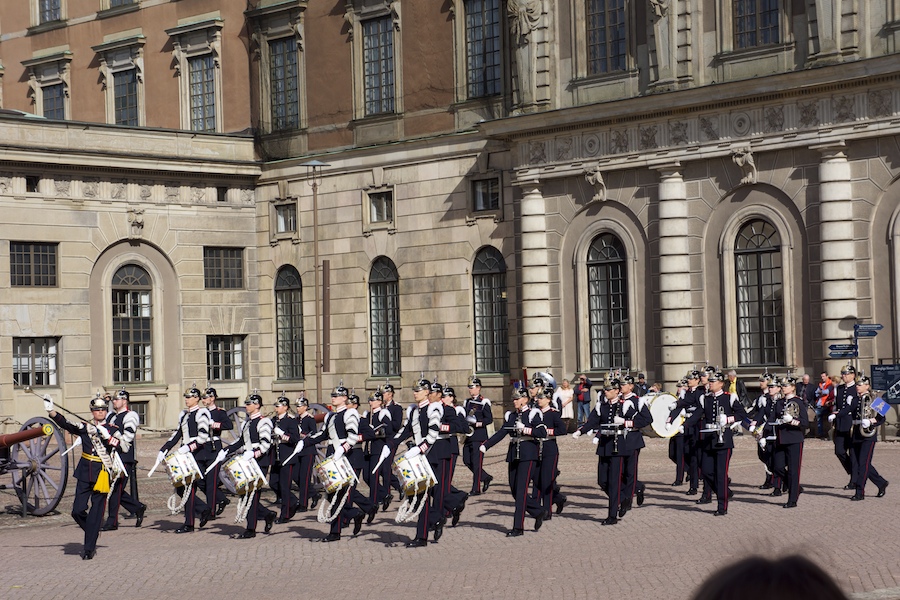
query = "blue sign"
{"x": 866, "y": 333}
{"x": 868, "y": 327}
{"x": 887, "y": 377}
{"x": 843, "y": 347}
{"x": 843, "y": 354}
{"x": 880, "y": 406}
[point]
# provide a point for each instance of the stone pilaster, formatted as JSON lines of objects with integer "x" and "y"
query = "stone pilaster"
{"x": 676, "y": 327}
{"x": 535, "y": 271}
{"x": 838, "y": 266}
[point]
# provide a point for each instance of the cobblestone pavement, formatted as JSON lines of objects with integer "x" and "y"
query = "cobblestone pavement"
{"x": 663, "y": 549}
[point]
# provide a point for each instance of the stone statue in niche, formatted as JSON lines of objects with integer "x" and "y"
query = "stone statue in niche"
{"x": 524, "y": 17}
{"x": 136, "y": 223}
{"x": 595, "y": 178}
{"x": 743, "y": 157}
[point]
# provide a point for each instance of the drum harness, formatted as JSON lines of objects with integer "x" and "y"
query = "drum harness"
{"x": 411, "y": 506}
{"x": 327, "y": 513}
{"x": 175, "y": 503}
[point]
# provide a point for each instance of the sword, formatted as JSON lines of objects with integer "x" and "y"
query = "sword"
{"x": 158, "y": 461}
{"x": 296, "y": 451}
{"x": 75, "y": 442}
{"x": 385, "y": 452}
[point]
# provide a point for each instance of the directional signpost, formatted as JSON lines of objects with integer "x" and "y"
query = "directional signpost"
{"x": 860, "y": 330}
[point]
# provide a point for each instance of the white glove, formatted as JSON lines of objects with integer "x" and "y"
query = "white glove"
{"x": 787, "y": 419}
{"x": 596, "y": 440}
{"x": 162, "y": 456}
{"x": 248, "y": 454}
{"x": 576, "y": 435}
{"x": 471, "y": 419}
{"x": 184, "y": 449}
{"x": 866, "y": 423}
{"x": 681, "y": 429}
{"x": 219, "y": 457}
{"x": 414, "y": 452}
{"x": 48, "y": 403}
{"x": 385, "y": 452}
{"x": 338, "y": 453}
{"x": 832, "y": 417}
{"x": 668, "y": 427}
{"x": 723, "y": 419}
{"x": 299, "y": 447}
{"x": 91, "y": 429}
{"x": 619, "y": 420}
{"x": 482, "y": 448}
{"x": 762, "y": 443}
{"x": 520, "y": 426}
{"x": 672, "y": 405}
{"x": 278, "y": 431}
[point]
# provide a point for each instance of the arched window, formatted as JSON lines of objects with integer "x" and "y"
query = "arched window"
{"x": 608, "y": 303}
{"x": 759, "y": 290}
{"x": 289, "y": 323}
{"x": 384, "y": 314}
{"x": 489, "y": 288}
{"x": 132, "y": 323}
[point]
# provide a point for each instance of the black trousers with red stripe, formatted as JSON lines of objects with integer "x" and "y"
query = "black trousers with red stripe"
{"x": 303, "y": 477}
{"x": 609, "y": 477}
{"x": 521, "y": 472}
{"x": 786, "y": 460}
{"x": 280, "y": 480}
{"x": 120, "y": 497}
{"x": 87, "y": 510}
{"x": 474, "y": 460}
{"x": 676, "y": 455}
{"x": 714, "y": 465}
{"x": 862, "y": 453}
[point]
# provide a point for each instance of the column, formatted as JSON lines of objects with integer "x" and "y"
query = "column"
{"x": 677, "y": 329}
{"x": 838, "y": 266}
{"x": 535, "y": 270}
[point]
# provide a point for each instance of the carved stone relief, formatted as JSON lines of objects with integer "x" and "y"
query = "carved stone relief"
{"x": 740, "y": 123}
{"x": 774, "y": 119}
{"x": 247, "y": 195}
{"x": 63, "y": 186}
{"x": 146, "y": 192}
{"x": 198, "y": 194}
{"x": 809, "y": 113}
{"x": 591, "y": 144}
{"x": 563, "y": 148}
{"x": 843, "y": 109}
{"x": 5, "y": 183}
{"x": 595, "y": 178}
{"x": 172, "y": 192}
{"x": 708, "y": 127}
{"x": 117, "y": 190}
{"x": 880, "y": 103}
{"x": 743, "y": 157}
{"x": 648, "y": 137}
{"x": 678, "y": 132}
{"x": 618, "y": 142}
{"x": 537, "y": 153}
{"x": 136, "y": 223}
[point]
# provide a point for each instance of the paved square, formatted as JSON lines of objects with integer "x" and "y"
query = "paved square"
{"x": 663, "y": 549}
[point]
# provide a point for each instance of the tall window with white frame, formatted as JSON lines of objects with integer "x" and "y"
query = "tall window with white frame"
{"x": 483, "y": 70}
{"x": 381, "y": 207}
{"x": 608, "y": 324}
{"x": 755, "y": 23}
{"x": 224, "y": 358}
{"x": 289, "y": 323}
{"x": 384, "y": 314}
{"x": 132, "y": 325}
{"x": 202, "y": 93}
{"x": 50, "y": 10}
{"x": 284, "y": 84}
{"x": 489, "y": 290}
{"x": 760, "y": 295}
{"x": 606, "y": 36}
{"x": 126, "y": 97}
{"x": 54, "y": 101}
{"x": 378, "y": 65}
{"x": 35, "y": 361}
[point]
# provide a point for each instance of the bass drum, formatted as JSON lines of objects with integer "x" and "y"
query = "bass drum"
{"x": 660, "y": 408}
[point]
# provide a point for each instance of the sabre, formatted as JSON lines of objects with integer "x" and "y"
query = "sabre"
{"x": 158, "y": 461}
{"x": 29, "y": 390}
{"x": 385, "y": 452}
{"x": 296, "y": 451}
{"x": 75, "y": 442}
{"x": 210, "y": 467}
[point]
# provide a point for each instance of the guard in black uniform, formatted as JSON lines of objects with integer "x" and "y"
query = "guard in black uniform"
{"x": 610, "y": 441}
{"x": 846, "y": 401}
{"x": 218, "y": 422}
{"x": 546, "y": 491}
{"x": 793, "y": 420}
{"x": 192, "y": 435}
{"x": 388, "y": 391}
{"x": 676, "y": 442}
{"x": 689, "y": 402}
{"x": 378, "y": 421}
{"x": 765, "y": 420}
{"x": 523, "y": 427}
{"x": 307, "y": 457}
{"x": 91, "y": 475}
{"x": 255, "y": 440}
{"x": 126, "y": 422}
{"x": 479, "y": 416}
{"x": 720, "y": 413}
{"x": 863, "y": 438}
{"x": 453, "y": 423}
{"x": 285, "y": 435}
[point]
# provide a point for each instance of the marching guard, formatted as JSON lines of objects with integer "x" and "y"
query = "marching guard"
{"x": 546, "y": 489}
{"x": 793, "y": 420}
{"x": 93, "y": 470}
{"x": 191, "y": 436}
{"x": 218, "y": 422}
{"x": 863, "y": 438}
{"x": 285, "y": 435}
{"x": 306, "y": 457}
{"x": 676, "y": 442}
{"x": 522, "y": 425}
{"x": 635, "y": 415}
{"x": 845, "y": 402}
{"x": 381, "y": 427}
{"x": 126, "y": 422}
{"x": 453, "y": 423}
{"x": 479, "y": 416}
{"x": 765, "y": 421}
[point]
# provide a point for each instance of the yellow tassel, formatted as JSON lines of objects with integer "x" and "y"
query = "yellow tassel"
{"x": 102, "y": 484}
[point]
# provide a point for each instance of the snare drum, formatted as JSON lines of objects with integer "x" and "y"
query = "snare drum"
{"x": 415, "y": 474}
{"x": 243, "y": 474}
{"x": 182, "y": 469}
{"x": 335, "y": 474}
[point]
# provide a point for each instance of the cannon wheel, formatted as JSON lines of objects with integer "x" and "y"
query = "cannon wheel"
{"x": 40, "y": 469}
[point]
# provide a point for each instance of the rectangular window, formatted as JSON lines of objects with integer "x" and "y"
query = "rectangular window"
{"x": 283, "y": 81}
{"x": 286, "y": 217}
{"x": 132, "y": 335}
{"x": 202, "y": 93}
{"x": 53, "y": 103}
{"x": 755, "y": 23}
{"x": 378, "y": 65}
{"x": 385, "y": 337}
{"x": 381, "y": 206}
{"x": 126, "y": 100}
{"x": 50, "y": 10}
{"x": 32, "y": 264}
{"x": 491, "y": 351}
{"x": 115, "y": 3}
{"x": 486, "y": 194}
{"x": 482, "y": 48}
{"x": 224, "y": 358}
{"x": 605, "y": 36}
{"x": 223, "y": 268}
{"x": 35, "y": 361}
{"x": 141, "y": 409}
